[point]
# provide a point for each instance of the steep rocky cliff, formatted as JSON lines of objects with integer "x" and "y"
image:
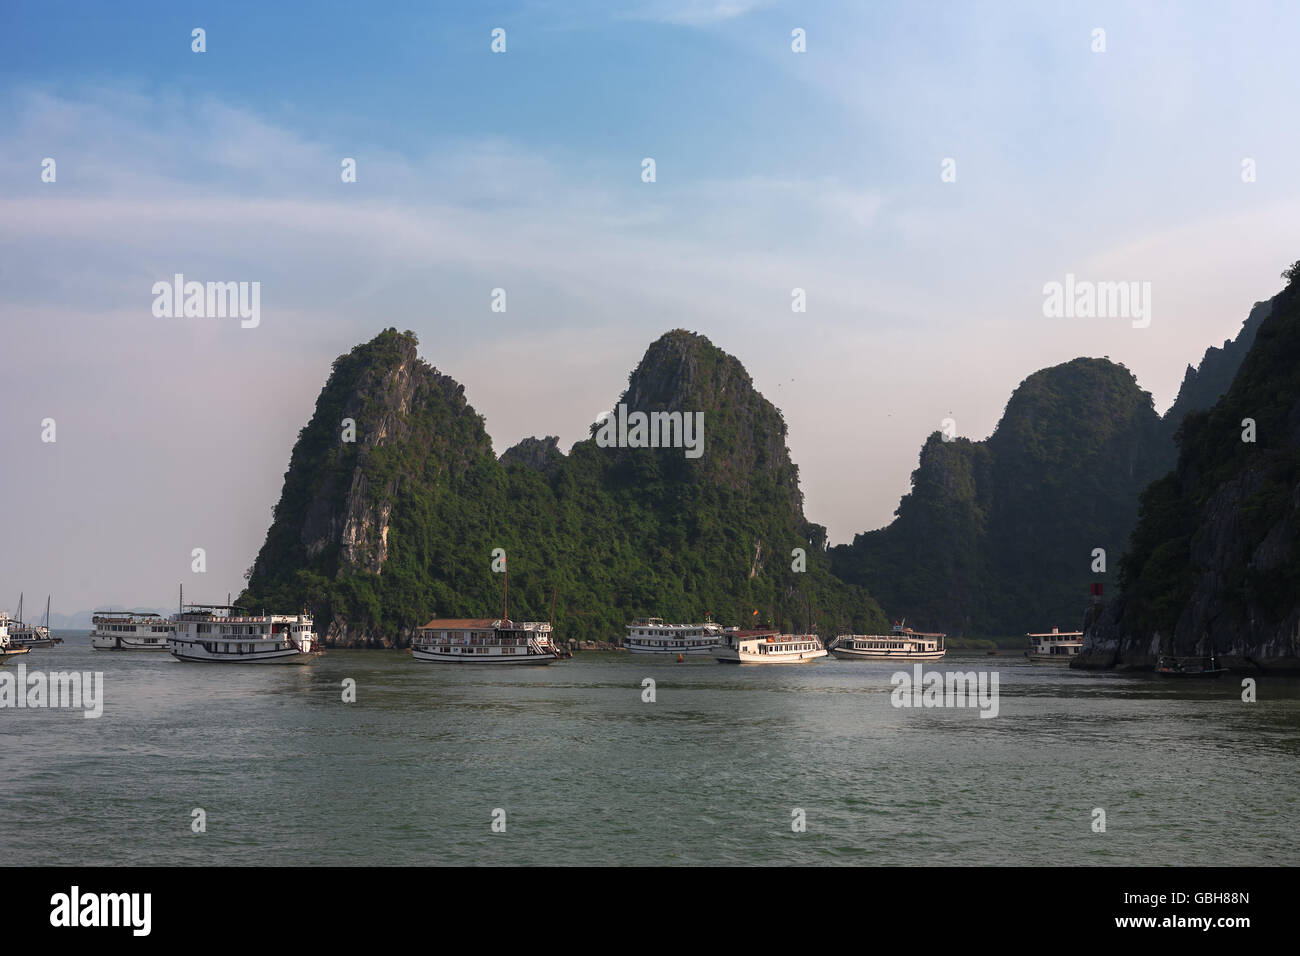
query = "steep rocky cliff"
{"x": 386, "y": 426}
{"x": 988, "y": 541}
{"x": 997, "y": 537}
{"x": 380, "y": 533}
{"x": 1203, "y": 385}
{"x": 1214, "y": 562}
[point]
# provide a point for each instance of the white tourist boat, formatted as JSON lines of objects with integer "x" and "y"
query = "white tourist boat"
{"x": 124, "y": 631}
{"x": 484, "y": 641}
{"x": 1054, "y": 646}
{"x": 901, "y": 643}
{"x": 7, "y": 648}
{"x": 223, "y": 634}
{"x": 652, "y": 636}
{"x": 768, "y": 647}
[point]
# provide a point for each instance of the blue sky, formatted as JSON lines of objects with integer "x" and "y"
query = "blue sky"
{"x": 521, "y": 170}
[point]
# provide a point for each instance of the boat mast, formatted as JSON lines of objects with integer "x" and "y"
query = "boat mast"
{"x": 505, "y": 598}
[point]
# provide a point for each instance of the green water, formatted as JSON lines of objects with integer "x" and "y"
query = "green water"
{"x": 586, "y": 772}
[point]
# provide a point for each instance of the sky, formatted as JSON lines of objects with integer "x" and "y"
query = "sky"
{"x": 920, "y": 170}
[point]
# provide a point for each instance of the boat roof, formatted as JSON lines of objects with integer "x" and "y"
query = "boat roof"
{"x": 658, "y": 622}
{"x": 464, "y": 623}
{"x": 900, "y": 627}
{"x": 906, "y": 632}
{"x": 481, "y": 624}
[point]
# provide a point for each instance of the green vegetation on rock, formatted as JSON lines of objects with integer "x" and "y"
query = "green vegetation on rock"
{"x": 380, "y": 534}
{"x": 1214, "y": 561}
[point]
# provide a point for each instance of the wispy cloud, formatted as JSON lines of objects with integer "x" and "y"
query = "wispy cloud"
{"x": 692, "y": 12}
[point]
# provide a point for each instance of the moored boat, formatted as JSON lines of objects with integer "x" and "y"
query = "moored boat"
{"x": 1054, "y": 646}
{"x": 124, "y": 631}
{"x": 7, "y": 648}
{"x": 484, "y": 641}
{"x": 901, "y": 643}
{"x": 768, "y": 647}
{"x": 29, "y": 635}
{"x": 652, "y": 636}
{"x": 211, "y": 633}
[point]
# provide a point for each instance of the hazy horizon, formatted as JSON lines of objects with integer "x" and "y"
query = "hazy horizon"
{"x": 775, "y": 170}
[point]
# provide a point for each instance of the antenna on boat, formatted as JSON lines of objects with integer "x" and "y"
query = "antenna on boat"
{"x": 505, "y": 597}
{"x": 552, "y": 620}
{"x": 180, "y": 601}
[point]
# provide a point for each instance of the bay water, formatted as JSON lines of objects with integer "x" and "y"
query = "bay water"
{"x": 570, "y": 764}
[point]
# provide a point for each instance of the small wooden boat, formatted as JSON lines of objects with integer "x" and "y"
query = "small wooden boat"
{"x": 1169, "y": 666}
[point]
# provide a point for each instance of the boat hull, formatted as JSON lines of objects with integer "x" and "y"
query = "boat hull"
{"x": 504, "y": 660}
{"x": 728, "y": 656}
{"x": 703, "y": 650}
{"x": 195, "y": 652}
{"x": 845, "y": 654}
{"x": 124, "y": 644}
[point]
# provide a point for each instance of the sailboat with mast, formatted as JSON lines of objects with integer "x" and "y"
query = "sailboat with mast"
{"x": 474, "y": 640}
{"x": 29, "y": 635}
